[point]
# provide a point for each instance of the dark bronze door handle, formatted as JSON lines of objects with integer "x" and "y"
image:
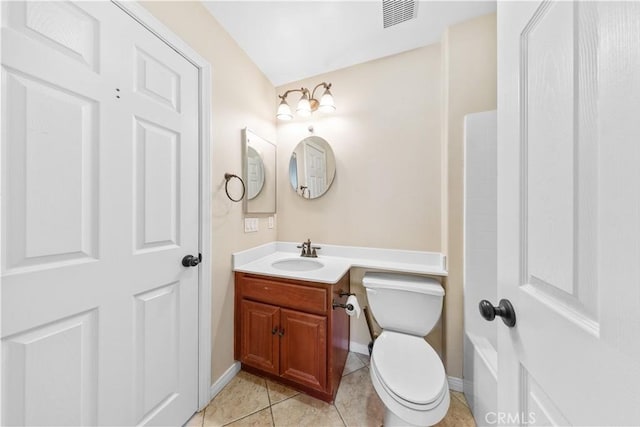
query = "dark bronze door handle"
{"x": 504, "y": 310}
{"x": 191, "y": 261}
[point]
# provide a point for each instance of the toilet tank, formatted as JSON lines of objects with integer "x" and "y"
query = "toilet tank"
{"x": 403, "y": 303}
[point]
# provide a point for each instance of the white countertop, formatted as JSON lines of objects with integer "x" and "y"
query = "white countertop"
{"x": 337, "y": 260}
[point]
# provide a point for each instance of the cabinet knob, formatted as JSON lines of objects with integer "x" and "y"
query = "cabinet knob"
{"x": 281, "y": 333}
{"x": 273, "y": 332}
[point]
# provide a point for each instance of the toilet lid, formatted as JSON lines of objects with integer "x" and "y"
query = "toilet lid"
{"x": 409, "y": 367}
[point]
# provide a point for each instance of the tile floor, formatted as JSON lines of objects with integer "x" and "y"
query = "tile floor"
{"x": 249, "y": 400}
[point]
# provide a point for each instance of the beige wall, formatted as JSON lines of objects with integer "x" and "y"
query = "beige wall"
{"x": 469, "y": 86}
{"x": 386, "y": 138}
{"x": 241, "y": 96}
{"x": 397, "y": 131}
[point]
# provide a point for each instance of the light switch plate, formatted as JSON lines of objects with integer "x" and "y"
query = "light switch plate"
{"x": 250, "y": 225}
{"x": 270, "y": 222}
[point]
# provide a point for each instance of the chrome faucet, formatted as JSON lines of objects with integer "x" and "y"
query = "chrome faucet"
{"x": 308, "y": 251}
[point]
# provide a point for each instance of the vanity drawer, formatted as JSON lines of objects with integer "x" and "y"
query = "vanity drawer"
{"x": 306, "y": 298}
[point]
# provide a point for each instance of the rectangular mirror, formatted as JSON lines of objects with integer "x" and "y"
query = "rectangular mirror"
{"x": 259, "y": 173}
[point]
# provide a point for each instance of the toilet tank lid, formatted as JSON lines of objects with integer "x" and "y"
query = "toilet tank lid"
{"x": 424, "y": 285}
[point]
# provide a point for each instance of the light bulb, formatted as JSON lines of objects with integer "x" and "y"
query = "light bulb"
{"x": 284, "y": 111}
{"x": 304, "y": 107}
{"x": 326, "y": 102}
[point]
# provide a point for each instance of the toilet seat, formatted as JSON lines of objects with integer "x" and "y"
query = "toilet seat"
{"x": 409, "y": 370}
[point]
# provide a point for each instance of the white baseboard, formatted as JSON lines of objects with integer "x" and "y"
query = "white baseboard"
{"x": 456, "y": 384}
{"x": 224, "y": 379}
{"x": 357, "y": 347}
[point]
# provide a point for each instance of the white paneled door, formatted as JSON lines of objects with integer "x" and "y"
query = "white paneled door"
{"x": 315, "y": 158}
{"x": 100, "y": 205}
{"x": 569, "y": 212}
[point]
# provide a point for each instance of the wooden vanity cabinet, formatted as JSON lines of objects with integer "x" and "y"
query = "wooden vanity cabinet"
{"x": 260, "y": 343}
{"x": 287, "y": 330}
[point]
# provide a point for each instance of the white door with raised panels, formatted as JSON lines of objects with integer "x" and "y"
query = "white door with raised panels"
{"x": 316, "y": 165}
{"x": 100, "y": 205}
{"x": 569, "y": 213}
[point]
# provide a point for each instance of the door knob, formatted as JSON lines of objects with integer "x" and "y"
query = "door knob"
{"x": 191, "y": 261}
{"x": 504, "y": 310}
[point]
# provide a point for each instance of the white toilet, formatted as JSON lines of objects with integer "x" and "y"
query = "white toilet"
{"x": 405, "y": 371}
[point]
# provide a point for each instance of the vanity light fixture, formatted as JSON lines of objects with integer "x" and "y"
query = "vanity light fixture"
{"x": 307, "y": 103}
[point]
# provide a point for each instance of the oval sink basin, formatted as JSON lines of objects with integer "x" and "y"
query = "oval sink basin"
{"x": 297, "y": 264}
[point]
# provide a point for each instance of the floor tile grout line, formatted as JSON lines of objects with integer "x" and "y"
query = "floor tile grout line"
{"x": 349, "y": 373}
{"x": 336, "y": 406}
{"x": 287, "y": 398}
{"x": 464, "y": 402}
{"x": 271, "y": 404}
{"x": 245, "y": 416}
{"x": 254, "y": 412}
{"x": 352, "y": 372}
{"x": 459, "y": 400}
{"x": 266, "y": 386}
{"x": 357, "y": 369}
{"x": 273, "y": 420}
{"x": 339, "y": 413}
{"x": 360, "y": 356}
{"x": 457, "y": 396}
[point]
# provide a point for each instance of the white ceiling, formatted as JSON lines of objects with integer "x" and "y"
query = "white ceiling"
{"x": 293, "y": 40}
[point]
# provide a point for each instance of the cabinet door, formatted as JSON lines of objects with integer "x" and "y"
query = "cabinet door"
{"x": 303, "y": 348}
{"x": 259, "y": 334}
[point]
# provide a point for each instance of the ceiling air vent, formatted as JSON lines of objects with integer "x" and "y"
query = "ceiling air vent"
{"x": 397, "y": 11}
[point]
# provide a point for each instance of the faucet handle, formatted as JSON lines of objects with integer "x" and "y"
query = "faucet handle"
{"x": 314, "y": 254}
{"x": 305, "y": 249}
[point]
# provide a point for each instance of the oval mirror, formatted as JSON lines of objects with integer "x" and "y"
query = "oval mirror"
{"x": 255, "y": 173}
{"x": 259, "y": 173}
{"x": 312, "y": 167}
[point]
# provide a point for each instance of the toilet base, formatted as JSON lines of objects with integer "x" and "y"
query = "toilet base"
{"x": 392, "y": 420}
